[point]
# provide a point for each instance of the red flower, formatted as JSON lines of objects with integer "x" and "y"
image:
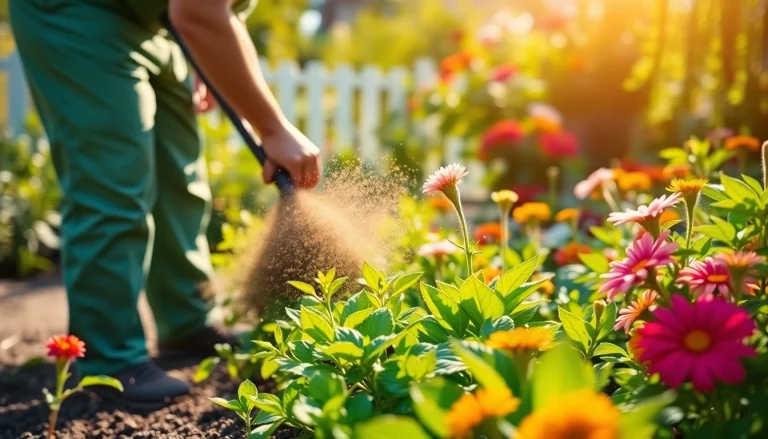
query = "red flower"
{"x": 488, "y": 233}
{"x": 560, "y": 144}
{"x": 570, "y": 254}
{"x": 453, "y": 64}
{"x": 504, "y": 72}
{"x": 503, "y": 133}
{"x": 528, "y": 192}
{"x": 65, "y": 347}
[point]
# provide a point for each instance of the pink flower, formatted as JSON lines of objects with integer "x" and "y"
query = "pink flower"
{"x": 444, "y": 178}
{"x": 706, "y": 277}
{"x": 585, "y": 188}
{"x": 741, "y": 260}
{"x": 629, "y": 315}
{"x": 438, "y": 248}
{"x": 504, "y": 72}
{"x": 559, "y": 144}
{"x": 643, "y": 257}
{"x": 645, "y": 213}
{"x": 504, "y": 133}
{"x": 701, "y": 342}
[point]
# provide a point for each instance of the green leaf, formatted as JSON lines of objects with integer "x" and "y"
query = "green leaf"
{"x": 350, "y": 335}
{"x": 418, "y": 366}
{"x": 303, "y": 287}
{"x": 480, "y": 302}
{"x": 446, "y": 309}
{"x": 380, "y": 322}
{"x": 736, "y": 189}
{"x": 49, "y": 398}
{"x": 504, "y": 323}
{"x": 525, "y": 312}
{"x": 604, "y": 349}
{"x": 232, "y": 405}
{"x": 247, "y": 389}
{"x": 303, "y": 350}
{"x": 754, "y": 184}
{"x": 675, "y": 154}
{"x": 359, "y": 407}
{"x": 390, "y": 426}
{"x": 356, "y": 318}
{"x": 266, "y": 418}
{"x": 323, "y": 386}
{"x": 205, "y": 369}
{"x": 610, "y": 236}
{"x": 268, "y": 403}
{"x": 265, "y": 431}
{"x": 596, "y": 262}
{"x": 483, "y": 372}
{"x": 641, "y": 422}
{"x": 336, "y": 285}
{"x": 315, "y": 325}
{"x": 607, "y": 321}
{"x": 345, "y": 350}
{"x": 561, "y": 370}
{"x": 356, "y": 303}
{"x": 515, "y": 277}
{"x": 380, "y": 344}
{"x": 402, "y": 283}
{"x": 720, "y": 231}
{"x": 516, "y": 298}
{"x": 431, "y": 331}
{"x": 575, "y": 327}
{"x": 391, "y": 380}
{"x": 372, "y": 277}
{"x": 432, "y": 400}
{"x": 714, "y": 192}
{"x": 101, "y": 380}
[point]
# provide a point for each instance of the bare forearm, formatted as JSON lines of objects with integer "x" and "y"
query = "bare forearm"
{"x": 222, "y": 47}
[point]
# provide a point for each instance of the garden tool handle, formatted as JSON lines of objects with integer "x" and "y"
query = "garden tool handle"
{"x": 282, "y": 179}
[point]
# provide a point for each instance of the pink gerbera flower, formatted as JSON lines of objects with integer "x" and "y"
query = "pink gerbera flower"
{"x": 645, "y": 213}
{"x": 643, "y": 257}
{"x": 629, "y": 315}
{"x": 437, "y": 248}
{"x": 706, "y": 277}
{"x": 595, "y": 181}
{"x": 444, "y": 179}
{"x": 701, "y": 342}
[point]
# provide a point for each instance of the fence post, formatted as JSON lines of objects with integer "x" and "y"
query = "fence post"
{"x": 344, "y": 81}
{"x": 370, "y": 111}
{"x": 315, "y": 79}
{"x": 286, "y": 80}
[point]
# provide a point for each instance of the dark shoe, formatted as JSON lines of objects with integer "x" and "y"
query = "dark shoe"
{"x": 197, "y": 346}
{"x": 145, "y": 387}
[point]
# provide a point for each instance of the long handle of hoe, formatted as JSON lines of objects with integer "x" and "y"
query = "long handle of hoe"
{"x": 282, "y": 179}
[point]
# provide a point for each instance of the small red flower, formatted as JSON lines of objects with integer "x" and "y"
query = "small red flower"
{"x": 529, "y": 192}
{"x": 504, "y": 133}
{"x": 560, "y": 144}
{"x": 570, "y": 254}
{"x": 65, "y": 347}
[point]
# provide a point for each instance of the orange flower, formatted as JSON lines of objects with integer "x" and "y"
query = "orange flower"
{"x": 440, "y": 203}
{"x": 470, "y": 410}
{"x": 547, "y": 287}
{"x": 453, "y": 64}
{"x": 521, "y": 340}
{"x": 570, "y": 253}
{"x": 655, "y": 172}
{"x": 490, "y": 273}
{"x": 676, "y": 171}
{"x": 65, "y": 347}
{"x": 568, "y": 214}
{"x": 748, "y": 143}
{"x": 634, "y": 181}
{"x": 580, "y": 414}
{"x": 532, "y": 211}
{"x": 488, "y": 233}
{"x": 668, "y": 215}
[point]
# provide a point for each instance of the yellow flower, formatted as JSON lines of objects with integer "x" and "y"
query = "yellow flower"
{"x": 742, "y": 142}
{"x": 521, "y": 340}
{"x": 634, "y": 181}
{"x": 568, "y": 214}
{"x": 469, "y": 411}
{"x": 504, "y": 197}
{"x": 685, "y": 187}
{"x": 532, "y": 212}
{"x": 583, "y": 414}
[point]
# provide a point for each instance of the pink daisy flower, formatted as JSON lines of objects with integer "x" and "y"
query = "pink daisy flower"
{"x": 645, "y": 213}
{"x": 743, "y": 260}
{"x": 707, "y": 277}
{"x": 585, "y": 188}
{"x": 444, "y": 178}
{"x": 629, "y": 315}
{"x": 701, "y": 342}
{"x": 643, "y": 257}
{"x": 437, "y": 248}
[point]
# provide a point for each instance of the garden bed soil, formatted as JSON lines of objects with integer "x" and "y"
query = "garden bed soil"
{"x": 31, "y": 312}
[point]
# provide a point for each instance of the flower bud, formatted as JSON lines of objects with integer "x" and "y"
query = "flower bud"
{"x": 598, "y": 306}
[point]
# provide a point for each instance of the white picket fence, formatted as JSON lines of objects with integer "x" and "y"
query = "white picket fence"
{"x": 337, "y": 108}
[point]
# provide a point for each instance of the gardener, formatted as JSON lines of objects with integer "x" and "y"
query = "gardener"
{"x": 115, "y": 96}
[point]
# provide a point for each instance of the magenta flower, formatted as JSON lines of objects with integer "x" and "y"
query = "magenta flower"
{"x": 444, "y": 178}
{"x": 707, "y": 277}
{"x": 595, "y": 181}
{"x": 645, "y": 213}
{"x": 629, "y": 315}
{"x": 701, "y": 342}
{"x": 643, "y": 257}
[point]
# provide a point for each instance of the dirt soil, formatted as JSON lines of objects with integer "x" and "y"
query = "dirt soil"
{"x": 32, "y": 311}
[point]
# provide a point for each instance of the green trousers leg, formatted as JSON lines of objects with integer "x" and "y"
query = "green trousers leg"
{"x": 115, "y": 102}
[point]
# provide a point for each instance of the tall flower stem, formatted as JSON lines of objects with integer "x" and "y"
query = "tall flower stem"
{"x": 609, "y": 198}
{"x": 689, "y": 210}
{"x": 62, "y": 367}
{"x": 504, "y": 238}
{"x": 765, "y": 165}
{"x": 453, "y": 194}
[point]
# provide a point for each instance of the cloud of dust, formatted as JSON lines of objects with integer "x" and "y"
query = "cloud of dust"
{"x": 352, "y": 218}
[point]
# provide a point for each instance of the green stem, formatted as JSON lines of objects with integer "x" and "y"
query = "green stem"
{"x": 504, "y": 238}
{"x": 689, "y": 207}
{"x": 610, "y": 199}
{"x": 452, "y": 193}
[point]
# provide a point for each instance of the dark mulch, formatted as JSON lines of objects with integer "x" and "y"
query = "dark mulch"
{"x": 23, "y": 414}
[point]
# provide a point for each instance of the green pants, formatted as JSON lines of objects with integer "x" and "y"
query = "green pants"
{"x": 115, "y": 99}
